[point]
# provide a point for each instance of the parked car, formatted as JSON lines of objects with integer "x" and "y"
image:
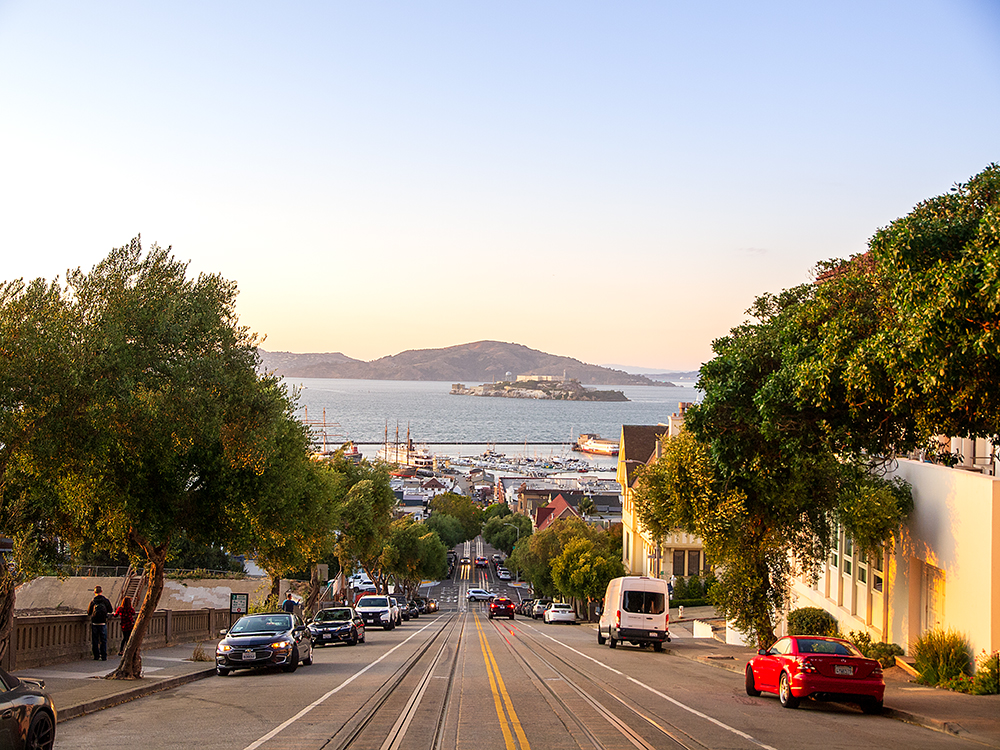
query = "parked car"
{"x": 414, "y": 609}
{"x": 274, "y": 639}
{"x": 337, "y": 625}
{"x": 501, "y": 606}
{"x": 636, "y": 610}
{"x": 397, "y": 607}
{"x": 503, "y": 574}
{"x": 538, "y": 607}
{"x": 479, "y": 595}
{"x": 817, "y": 667}
{"x": 377, "y": 610}
{"x": 558, "y": 612}
{"x": 524, "y": 608}
{"x": 29, "y": 718}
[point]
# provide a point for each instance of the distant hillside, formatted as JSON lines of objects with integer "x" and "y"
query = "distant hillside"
{"x": 480, "y": 362}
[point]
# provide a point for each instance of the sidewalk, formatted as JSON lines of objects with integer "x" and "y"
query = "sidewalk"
{"x": 971, "y": 717}
{"x": 76, "y": 688}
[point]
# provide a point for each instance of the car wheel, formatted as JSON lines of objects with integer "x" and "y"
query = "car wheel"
{"x": 41, "y": 732}
{"x": 388, "y": 626}
{"x": 293, "y": 661}
{"x": 872, "y": 706}
{"x": 612, "y": 642}
{"x": 308, "y": 660}
{"x": 750, "y": 684}
{"x": 785, "y": 692}
{"x": 657, "y": 646}
{"x": 511, "y": 617}
{"x": 221, "y": 671}
{"x": 354, "y": 637}
{"x": 600, "y": 638}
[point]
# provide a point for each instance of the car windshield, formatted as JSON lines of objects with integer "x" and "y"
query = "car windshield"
{"x": 822, "y": 646}
{"x": 262, "y": 624}
{"x": 643, "y": 602}
{"x": 373, "y": 601}
{"x": 333, "y": 615}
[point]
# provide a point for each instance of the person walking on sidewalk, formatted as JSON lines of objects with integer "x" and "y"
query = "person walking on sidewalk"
{"x": 289, "y": 604}
{"x": 98, "y": 611}
{"x": 127, "y": 615}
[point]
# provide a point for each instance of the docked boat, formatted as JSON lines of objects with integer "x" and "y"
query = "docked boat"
{"x": 594, "y": 444}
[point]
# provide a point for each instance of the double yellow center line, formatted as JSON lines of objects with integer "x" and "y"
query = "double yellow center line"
{"x": 510, "y": 725}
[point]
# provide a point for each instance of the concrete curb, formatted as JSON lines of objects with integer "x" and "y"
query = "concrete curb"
{"x": 937, "y": 725}
{"x": 65, "y": 713}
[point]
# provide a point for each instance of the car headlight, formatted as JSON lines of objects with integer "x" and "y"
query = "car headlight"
{"x": 223, "y": 648}
{"x": 281, "y": 644}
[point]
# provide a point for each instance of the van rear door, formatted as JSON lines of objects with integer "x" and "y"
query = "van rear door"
{"x": 644, "y": 609}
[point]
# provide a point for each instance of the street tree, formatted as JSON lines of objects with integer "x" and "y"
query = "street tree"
{"x": 365, "y": 518}
{"x": 448, "y": 528}
{"x": 585, "y": 567}
{"x": 411, "y": 554}
{"x": 503, "y": 532}
{"x": 462, "y": 508}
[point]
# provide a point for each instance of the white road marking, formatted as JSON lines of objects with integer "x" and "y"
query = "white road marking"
{"x": 319, "y": 701}
{"x": 665, "y": 697}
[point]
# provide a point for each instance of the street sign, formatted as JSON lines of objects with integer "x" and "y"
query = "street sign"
{"x": 239, "y": 604}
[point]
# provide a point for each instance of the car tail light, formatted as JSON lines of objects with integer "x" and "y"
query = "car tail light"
{"x": 877, "y": 672}
{"x": 618, "y": 618}
{"x": 807, "y": 666}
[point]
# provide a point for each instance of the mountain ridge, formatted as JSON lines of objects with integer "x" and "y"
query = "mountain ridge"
{"x": 478, "y": 361}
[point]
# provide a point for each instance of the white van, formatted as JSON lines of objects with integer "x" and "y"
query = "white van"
{"x": 636, "y": 609}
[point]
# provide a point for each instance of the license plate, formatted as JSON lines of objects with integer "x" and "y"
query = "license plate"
{"x": 839, "y": 669}
{"x": 249, "y": 656}
{"x": 653, "y": 633}
{"x": 326, "y": 636}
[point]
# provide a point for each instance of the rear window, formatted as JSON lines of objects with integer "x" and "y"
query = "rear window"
{"x": 818, "y": 646}
{"x": 643, "y": 602}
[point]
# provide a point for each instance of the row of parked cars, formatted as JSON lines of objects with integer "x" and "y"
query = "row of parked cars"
{"x": 282, "y": 639}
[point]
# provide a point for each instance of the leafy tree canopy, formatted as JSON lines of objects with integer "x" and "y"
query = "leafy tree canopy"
{"x": 462, "y": 508}
{"x": 448, "y": 528}
{"x": 504, "y": 531}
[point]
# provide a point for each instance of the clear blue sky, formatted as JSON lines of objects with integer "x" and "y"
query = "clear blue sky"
{"x": 609, "y": 181}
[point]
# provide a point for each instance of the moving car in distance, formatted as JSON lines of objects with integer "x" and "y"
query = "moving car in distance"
{"x": 501, "y": 606}
{"x": 337, "y": 625}
{"x": 274, "y": 639}
{"x": 503, "y": 574}
{"x": 558, "y": 612}
{"x": 376, "y": 610}
{"x": 479, "y": 595}
{"x": 29, "y": 718}
{"x": 817, "y": 667}
{"x": 482, "y": 562}
{"x": 466, "y": 561}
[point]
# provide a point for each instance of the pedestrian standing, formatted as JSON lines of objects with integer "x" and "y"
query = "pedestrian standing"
{"x": 127, "y": 615}
{"x": 289, "y": 604}
{"x": 99, "y": 610}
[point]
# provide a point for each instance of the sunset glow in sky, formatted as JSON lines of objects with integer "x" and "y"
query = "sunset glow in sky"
{"x": 614, "y": 182}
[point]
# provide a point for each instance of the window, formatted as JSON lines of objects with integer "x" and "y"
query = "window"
{"x": 643, "y": 602}
{"x": 877, "y": 564}
{"x": 862, "y": 568}
{"x": 678, "y": 562}
{"x": 694, "y": 562}
{"x": 848, "y": 555}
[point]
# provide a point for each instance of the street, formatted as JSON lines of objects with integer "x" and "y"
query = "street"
{"x": 459, "y": 680}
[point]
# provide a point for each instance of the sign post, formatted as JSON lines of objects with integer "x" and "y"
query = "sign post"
{"x": 239, "y": 604}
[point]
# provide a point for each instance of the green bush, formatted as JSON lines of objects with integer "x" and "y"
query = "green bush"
{"x": 812, "y": 621}
{"x": 986, "y": 681}
{"x": 885, "y": 653}
{"x": 941, "y": 656}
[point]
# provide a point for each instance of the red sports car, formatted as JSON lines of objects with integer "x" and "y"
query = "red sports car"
{"x": 818, "y": 667}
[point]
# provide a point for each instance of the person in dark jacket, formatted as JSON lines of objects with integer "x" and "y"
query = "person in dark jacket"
{"x": 99, "y": 610}
{"x": 127, "y": 616}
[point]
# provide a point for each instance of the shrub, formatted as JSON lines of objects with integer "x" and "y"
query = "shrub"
{"x": 942, "y": 655}
{"x": 986, "y": 681}
{"x": 812, "y": 621}
{"x": 885, "y": 653}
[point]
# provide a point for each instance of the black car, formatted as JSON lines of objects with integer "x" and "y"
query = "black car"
{"x": 274, "y": 639}
{"x": 27, "y": 717}
{"x": 337, "y": 625}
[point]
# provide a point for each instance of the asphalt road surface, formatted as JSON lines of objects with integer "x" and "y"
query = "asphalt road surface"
{"x": 459, "y": 680}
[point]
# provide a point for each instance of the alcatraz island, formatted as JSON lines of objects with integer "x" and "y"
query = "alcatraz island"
{"x": 550, "y": 387}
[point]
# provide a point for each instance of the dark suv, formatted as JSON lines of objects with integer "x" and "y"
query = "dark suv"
{"x": 502, "y": 607}
{"x": 275, "y": 639}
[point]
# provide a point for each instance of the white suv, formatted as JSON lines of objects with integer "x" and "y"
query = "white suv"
{"x": 378, "y": 610}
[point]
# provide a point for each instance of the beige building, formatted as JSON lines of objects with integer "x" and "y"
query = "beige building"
{"x": 677, "y": 554}
{"x": 945, "y": 571}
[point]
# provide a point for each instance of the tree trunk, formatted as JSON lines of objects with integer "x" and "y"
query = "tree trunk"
{"x": 130, "y": 667}
{"x": 275, "y": 596}
{"x": 310, "y": 606}
{"x": 8, "y": 596}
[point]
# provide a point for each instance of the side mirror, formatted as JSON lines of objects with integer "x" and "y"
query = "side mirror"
{"x": 223, "y": 632}
{"x": 762, "y": 652}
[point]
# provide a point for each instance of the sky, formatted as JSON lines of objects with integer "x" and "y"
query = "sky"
{"x": 615, "y": 182}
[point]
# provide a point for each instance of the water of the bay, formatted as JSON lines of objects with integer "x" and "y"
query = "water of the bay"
{"x": 363, "y": 410}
